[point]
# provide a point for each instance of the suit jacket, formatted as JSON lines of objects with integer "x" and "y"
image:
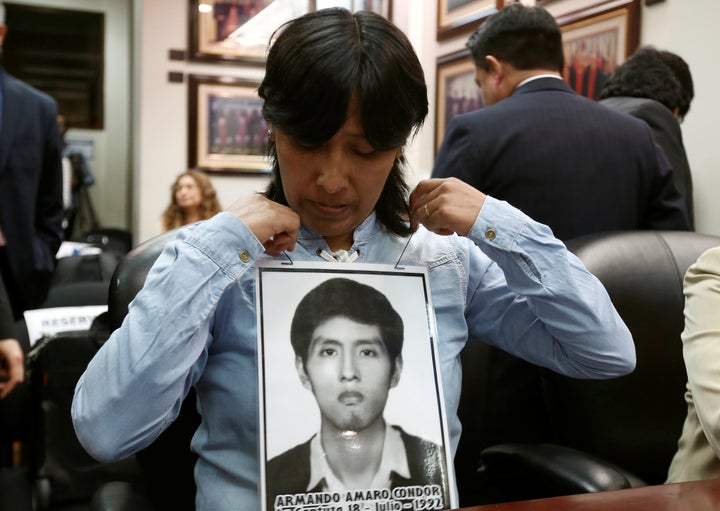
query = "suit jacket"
{"x": 6, "y": 318}
{"x": 289, "y": 472}
{"x": 566, "y": 161}
{"x": 30, "y": 188}
{"x": 666, "y": 131}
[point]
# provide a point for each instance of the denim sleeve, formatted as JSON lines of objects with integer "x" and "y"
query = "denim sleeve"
{"x": 537, "y": 301}
{"x": 134, "y": 386}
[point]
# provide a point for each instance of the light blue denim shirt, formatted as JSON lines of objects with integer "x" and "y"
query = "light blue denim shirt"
{"x": 509, "y": 283}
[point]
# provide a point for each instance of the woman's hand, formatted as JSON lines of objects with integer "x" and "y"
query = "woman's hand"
{"x": 275, "y": 225}
{"x": 445, "y": 206}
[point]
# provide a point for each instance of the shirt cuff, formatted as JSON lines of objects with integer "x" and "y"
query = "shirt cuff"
{"x": 498, "y": 224}
{"x": 227, "y": 241}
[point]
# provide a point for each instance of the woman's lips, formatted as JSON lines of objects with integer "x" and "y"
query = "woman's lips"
{"x": 329, "y": 209}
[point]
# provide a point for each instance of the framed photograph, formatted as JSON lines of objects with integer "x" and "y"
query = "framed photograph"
{"x": 227, "y": 132}
{"x": 349, "y": 350}
{"x": 237, "y": 30}
{"x": 457, "y": 92}
{"x": 596, "y": 41}
{"x": 458, "y": 16}
{"x": 383, "y": 7}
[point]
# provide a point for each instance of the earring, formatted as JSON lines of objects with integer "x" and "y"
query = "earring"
{"x": 270, "y": 135}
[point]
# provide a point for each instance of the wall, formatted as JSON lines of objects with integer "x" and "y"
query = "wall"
{"x": 687, "y": 28}
{"x": 111, "y": 159}
{"x": 160, "y": 126}
{"x": 162, "y": 112}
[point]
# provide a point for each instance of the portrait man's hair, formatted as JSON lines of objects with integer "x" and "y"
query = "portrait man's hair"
{"x": 341, "y": 297}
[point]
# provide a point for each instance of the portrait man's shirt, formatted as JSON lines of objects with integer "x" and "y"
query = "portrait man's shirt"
{"x": 394, "y": 459}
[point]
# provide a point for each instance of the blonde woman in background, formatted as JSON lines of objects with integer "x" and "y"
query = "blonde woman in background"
{"x": 192, "y": 198}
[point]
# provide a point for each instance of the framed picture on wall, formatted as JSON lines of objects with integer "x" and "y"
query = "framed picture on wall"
{"x": 457, "y": 92}
{"x": 458, "y": 16}
{"x": 226, "y": 129}
{"x": 383, "y": 7}
{"x": 596, "y": 41}
{"x": 237, "y": 30}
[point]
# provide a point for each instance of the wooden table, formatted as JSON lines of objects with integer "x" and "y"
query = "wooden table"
{"x": 690, "y": 496}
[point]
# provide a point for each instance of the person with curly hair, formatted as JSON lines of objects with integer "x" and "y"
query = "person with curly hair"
{"x": 192, "y": 198}
{"x": 656, "y": 86}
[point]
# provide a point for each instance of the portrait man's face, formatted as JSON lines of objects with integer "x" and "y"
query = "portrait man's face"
{"x": 350, "y": 372}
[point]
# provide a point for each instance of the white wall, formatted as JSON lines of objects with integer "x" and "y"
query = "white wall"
{"x": 161, "y": 124}
{"x": 682, "y": 26}
{"x": 110, "y": 163}
{"x": 689, "y": 28}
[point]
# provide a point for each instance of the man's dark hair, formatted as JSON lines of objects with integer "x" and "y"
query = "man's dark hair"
{"x": 323, "y": 59}
{"x": 526, "y": 37}
{"x": 347, "y": 298}
{"x": 682, "y": 73}
{"x": 646, "y": 74}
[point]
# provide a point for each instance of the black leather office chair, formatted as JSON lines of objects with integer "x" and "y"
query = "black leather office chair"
{"x": 167, "y": 464}
{"x": 111, "y": 239}
{"x": 559, "y": 435}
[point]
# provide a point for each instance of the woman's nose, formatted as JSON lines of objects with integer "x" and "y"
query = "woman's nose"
{"x": 333, "y": 173}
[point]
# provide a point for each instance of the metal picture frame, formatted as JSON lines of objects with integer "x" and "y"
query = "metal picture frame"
{"x": 237, "y": 31}
{"x": 456, "y": 17}
{"x": 596, "y": 40}
{"x": 456, "y": 90}
{"x": 226, "y": 129}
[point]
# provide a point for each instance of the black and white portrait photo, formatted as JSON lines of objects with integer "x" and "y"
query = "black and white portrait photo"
{"x": 351, "y": 403}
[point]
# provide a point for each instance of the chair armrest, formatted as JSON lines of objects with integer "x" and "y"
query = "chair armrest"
{"x": 532, "y": 471}
{"x": 118, "y": 496}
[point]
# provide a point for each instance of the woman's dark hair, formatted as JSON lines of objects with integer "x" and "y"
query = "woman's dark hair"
{"x": 346, "y": 298}
{"x": 322, "y": 59}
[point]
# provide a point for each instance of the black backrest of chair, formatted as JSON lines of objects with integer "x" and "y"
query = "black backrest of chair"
{"x": 168, "y": 462}
{"x": 109, "y": 238}
{"x": 633, "y": 421}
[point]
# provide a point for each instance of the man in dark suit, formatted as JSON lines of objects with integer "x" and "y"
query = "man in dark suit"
{"x": 656, "y": 86}
{"x": 563, "y": 159}
{"x": 566, "y": 161}
{"x": 348, "y": 339}
{"x": 31, "y": 206}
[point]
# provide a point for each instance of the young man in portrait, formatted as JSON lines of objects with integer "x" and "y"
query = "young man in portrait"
{"x": 348, "y": 339}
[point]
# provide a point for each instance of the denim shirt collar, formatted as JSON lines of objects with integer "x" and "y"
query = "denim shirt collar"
{"x": 313, "y": 242}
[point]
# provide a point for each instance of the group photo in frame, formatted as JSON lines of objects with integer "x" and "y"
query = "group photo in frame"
{"x": 354, "y": 349}
{"x": 237, "y": 30}
{"x": 226, "y": 129}
{"x": 596, "y": 40}
{"x": 382, "y": 7}
{"x": 457, "y": 91}
{"x": 458, "y": 16}
{"x": 240, "y": 30}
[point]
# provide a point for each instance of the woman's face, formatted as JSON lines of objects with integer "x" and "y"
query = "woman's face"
{"x": 187, "y": 193}
{"x": 334, "y": 187}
